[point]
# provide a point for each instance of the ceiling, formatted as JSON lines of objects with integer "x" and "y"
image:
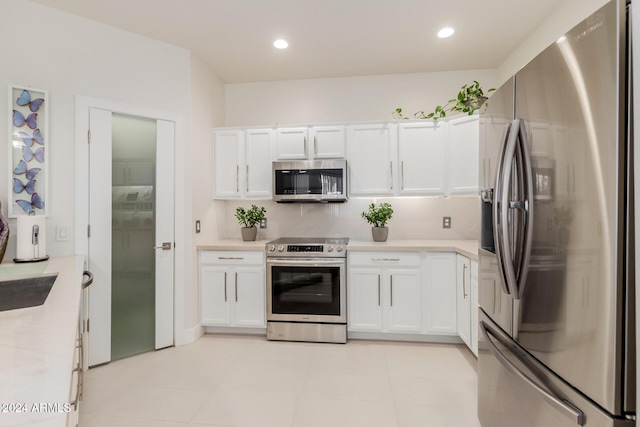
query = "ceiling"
{"x": 327, "y": 38}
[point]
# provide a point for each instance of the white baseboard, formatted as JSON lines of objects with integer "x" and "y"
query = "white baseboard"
{"x": 189, "y": 336}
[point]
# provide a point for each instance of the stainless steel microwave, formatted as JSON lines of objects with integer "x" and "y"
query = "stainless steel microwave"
{"x": 310, "y": 181}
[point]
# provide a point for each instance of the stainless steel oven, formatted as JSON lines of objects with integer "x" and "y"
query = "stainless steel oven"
{"x": 306, "y": 290}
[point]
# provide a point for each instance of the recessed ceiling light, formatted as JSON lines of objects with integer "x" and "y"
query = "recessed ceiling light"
{"x": 446, "y": 32}
{"x": 281, "y": 44}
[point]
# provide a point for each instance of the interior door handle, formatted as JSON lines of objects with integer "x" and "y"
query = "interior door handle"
{"x": 166, "y": 246}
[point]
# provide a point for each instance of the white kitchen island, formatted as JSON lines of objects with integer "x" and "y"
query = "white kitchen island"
{"x": 38, "y": 347}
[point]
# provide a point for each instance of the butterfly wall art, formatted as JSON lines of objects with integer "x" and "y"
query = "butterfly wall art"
{"x": 28, "y": 151}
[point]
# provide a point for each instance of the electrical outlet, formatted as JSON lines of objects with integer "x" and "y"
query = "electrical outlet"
{"x": 446, "y": 222}
{"x": 263, "y": 223}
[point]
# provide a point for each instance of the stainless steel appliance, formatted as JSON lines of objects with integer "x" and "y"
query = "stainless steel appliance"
{"x": 310, "y": 181}
{"x": 306, "y": 290}
{"x": 556, "y": 273}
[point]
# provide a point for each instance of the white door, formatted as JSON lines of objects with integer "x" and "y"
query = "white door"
{"x": 102, "y": 223}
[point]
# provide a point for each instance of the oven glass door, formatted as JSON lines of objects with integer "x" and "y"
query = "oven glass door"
{"x": 306, "y": 290}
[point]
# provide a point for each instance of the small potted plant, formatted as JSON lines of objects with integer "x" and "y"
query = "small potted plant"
{"x": 378, "y": 215}
{"x": 249, "y": 218}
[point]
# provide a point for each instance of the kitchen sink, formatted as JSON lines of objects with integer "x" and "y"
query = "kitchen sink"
{"x": 25, "y": 291}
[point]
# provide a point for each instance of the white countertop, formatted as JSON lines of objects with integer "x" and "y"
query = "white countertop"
{"x": 234, "y": 245}
{"x": 467, "y": 248}
{"x": 37, "y": 346}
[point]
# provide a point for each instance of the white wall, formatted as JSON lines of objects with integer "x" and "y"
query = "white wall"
{"x": 568, "y": 14}
{"x": 344, "y": 99}
{"x": 67, "y": 56}
{"x": 207, "y": 112}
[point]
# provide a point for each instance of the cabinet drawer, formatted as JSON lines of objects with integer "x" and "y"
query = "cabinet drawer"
{"x": 232, "y": 257}
{"x": 385, "y": 259}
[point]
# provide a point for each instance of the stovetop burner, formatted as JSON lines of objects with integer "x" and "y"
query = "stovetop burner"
{"x": 308, "y": 247}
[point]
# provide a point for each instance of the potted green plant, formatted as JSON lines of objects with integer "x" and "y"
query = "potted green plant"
{"x": 378, "y": 215}
{"x": 249, "y": 218}
{"x": 469, "y": 99}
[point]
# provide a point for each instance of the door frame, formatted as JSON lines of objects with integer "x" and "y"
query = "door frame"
{"x": 182, "y": 194}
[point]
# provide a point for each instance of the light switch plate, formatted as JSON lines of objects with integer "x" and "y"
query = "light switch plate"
{"x": 263, "y": 223}
{"x": 446, "y": 222}
{"x": 197, "y": 226}
{"x": 62, "y": 233}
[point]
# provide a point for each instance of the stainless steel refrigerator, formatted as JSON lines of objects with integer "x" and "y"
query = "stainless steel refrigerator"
{"x": 556, "y": 272}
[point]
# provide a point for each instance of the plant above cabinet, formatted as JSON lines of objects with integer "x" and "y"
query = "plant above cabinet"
{"x": 469, "y": 99}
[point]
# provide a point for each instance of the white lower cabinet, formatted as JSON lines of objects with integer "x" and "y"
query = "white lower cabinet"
{"x": 467, "y": 296}
{"x": 232, "y": 288}
{"x": 440, "y": 295}
{"x": 384, "y": 292}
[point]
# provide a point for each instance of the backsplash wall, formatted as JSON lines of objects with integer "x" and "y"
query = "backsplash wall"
{"x": 413, "y": 218}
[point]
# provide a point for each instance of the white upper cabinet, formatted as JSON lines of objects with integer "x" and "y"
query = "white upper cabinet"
{"x": 292, "y": 143}
{"x": 422, "y": 158}
{"x": 309, "y": 143}
{"x": 242, "y": 163}
{"x": 328, "y": 142}
{"x": 226, "y": 163}
{"x": 463, "y": 163}
{"x": 258, "y": 144}
{"x": 371, "y": 159}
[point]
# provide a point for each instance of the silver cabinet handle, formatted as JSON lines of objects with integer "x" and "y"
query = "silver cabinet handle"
{"x": 391, "y": 289}
{"x": 225, "y": 286}
{"x": 306, "y": 151}
{"x": 230, "y": 257}
{"x": 378, "y": 290}
{"x": 391, "y": 173}
{"x": 385, "y": 259}
{"x": 237, "y": 178}
{"x": 315, "y": 146}
{"x": 166, "y": 246}
{"x": 247, "y": 178}
{"x": 236, "y": 285}
{"x": 402, "y": 175}
{"x": 561, "y": 404}
{"x": 464, "y": 281}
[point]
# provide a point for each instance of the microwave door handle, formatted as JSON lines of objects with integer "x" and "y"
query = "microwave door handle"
{"x": 557, "y": 401}
{"x": 497, "y": 209}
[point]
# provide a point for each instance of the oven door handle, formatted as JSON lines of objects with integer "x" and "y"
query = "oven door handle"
{"x": 306, "y": 261}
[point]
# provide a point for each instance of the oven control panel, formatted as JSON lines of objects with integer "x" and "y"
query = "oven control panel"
{"x": 306, "y": 250}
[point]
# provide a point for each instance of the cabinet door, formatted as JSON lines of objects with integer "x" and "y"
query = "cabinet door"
{"x": 249, "y": 297}
{"x": 140, "y": 173}
{"x": 440, "y": 297}
{"x": 463, "y": 278}
{"x": 328, "y": 142}
{"x": 405, "y": 300}
{"x": 474, "y": 307}
{"x": 464, "y": 136}
{"x": 291, "y": 144}
{"x": 422, "y": 158}
{"x": 364, "y": 296}
{"x": 371, "y": 160}
{"x": 226, "y": 164}
{"x": 119, "y": 173}
{"x": 257, "y": 173}
{"x": 214, "y": 296}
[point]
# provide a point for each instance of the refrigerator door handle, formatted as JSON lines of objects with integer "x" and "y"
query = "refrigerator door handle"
{"x": 504, "y": 248}
{"x": 558, "y": 402}
{"x": 526, "y": 176}
{"x": 497, "y": 195}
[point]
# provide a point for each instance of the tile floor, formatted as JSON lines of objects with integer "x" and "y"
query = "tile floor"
{"x": 246, "y": 381}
